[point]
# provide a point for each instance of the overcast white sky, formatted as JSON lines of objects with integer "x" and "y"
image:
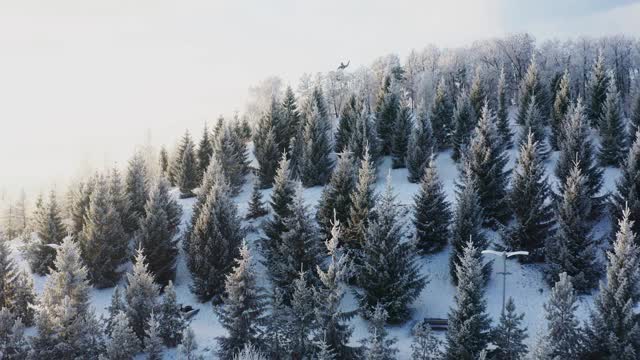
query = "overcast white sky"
{"x": 83, "y": 80}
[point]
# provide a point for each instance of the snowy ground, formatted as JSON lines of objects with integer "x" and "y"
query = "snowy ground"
{"x": 525, "y": 284}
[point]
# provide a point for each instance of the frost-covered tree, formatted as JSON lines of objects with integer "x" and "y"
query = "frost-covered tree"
{"x": 598, "y": 85}
{"x": 378, "y": 346}
{"x": 563, "y": 338}
{"x": 502, "y": 113}
{"x": 347, "y": 124}
{"x": 572, "y": 248}
{"x": 13, "y": 343}
{"x": 400, "y": 137}
{"x": 103, "y": 241}
{"x": 123, "y": 343}
{"x": 388, "y": 272}
{"x": 243, "y": 307}
{"x": 560, "y": 110}
{"x": 154, "y": 347}
{"x": 485, "y": 161}
{"x": 249, "y": 352}
{"x": 171, "y": 322}
{"x": 612, "y": 128}
{"x": 189, "y": 347}
{"x": 531, "y": 86}
{"x": 8, "y": 275}
{"x": 115, "y": 307}
{"x": 614, "y": 331}
{"x": 156, "y": 235}
{"x": 425, "y": 346}
{"x": 421, "y": 147}
{"x": 265, "y": 149}
{"x": 302, "y": 316}
{"x": 364, "y": 137}
{"x": 431, "y": 213}
{"x": 634, "y": 120}
{"x": 230, "y": 152}
{"x": 140, "y": 296}
{"x": 528, "y": 201}
{"x": 137, "y": 186}
{"x": 214, "y": 242}
{"x": 49, "y": 229}
{"x": 66, "y": 326}
{"x": 464, "y": 120}
{"x": 185, "y": 168}
{"x": 532, "y": 124}
{"x": 387, "y": 109}
{"x": 627, "y": 192}
{"x": 23, "y": 298}
{"x": 256, "y": 206}
{"x": 477, "y": 94}
{"x": 204, "y": 151}
{"x": 467, "y": 224}
{"x": 163, "y": 160}
{"x": 316, "y": 164}
{"x": 121, "y": 202}
{"x": 509, "y": 335}
{"x": 336, "y": 196}
{"x": 278, "y": 339}
{"x": 441, "y": 113}
{"x": 469, "y": 323}
{"x": 79, "y": 200}
{"x": 290, "y": 119}
{"x": 362, "y": 202}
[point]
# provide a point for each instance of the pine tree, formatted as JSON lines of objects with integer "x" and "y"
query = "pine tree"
{"x": 324, "y": 351}
{"x": 122, "y": 203}
{"x": 171, "y": 323}
{"x": 468, "y": 331}
{"x": 214, "y": 243}
{"x": 204, "y": 151}
{"x": 464, "y": 120}
{"x": 66, "y": 327}
{"x": 164, "y": 161}
{"x": 137, "y": 185}
{"x": 278, "y": 334}
{"x": 50, "y": 230}
{"x": 243, "y": 309}
{"x": 189, "y": 347}
{"x": 467, "y": 225}
{"x": 502, "y": 113}
{"x": 378, "y": 346}
{"x": 577, "y": 147}
{"x": 614, "y": 332}
{"x": 175, "y": 166}
{"x": 347, "y": 124}
{"x": 597, "y": 90}
{"x": 533, "y": 125}
{"x": 364, "y": 137}
{"x": 230, "y": 152}
{"x": 13, "y": 344}
{"x": 477, "y": 94}
{"x": 123, "y": 344}
{"x": 563, "y": 338}
{"x": 249, "y": 352}
{"x": 560, "y": 110}
{"x": 265, "y": 149}
{"x": 154, "y": 347}
{"x": 140, "y": 296}
{"x": 315, "y": 167}
{"x": 425, "y": 346}
{"x": 212, "y": 176}
{"x": 485, "y": 161}
{"x": 421, "y": 147}
{"x": 387, "y": 109}
{"x": 8, "y": 275}
{"x": 23, "y": 298}
{"x": 256, "y": 206}
{"x": 290, "y": 118}
{"x": 362, "y": 202}
{"x": 302, "y": 312}
{"x": 441, "y": 114}
{"x": 532, "y": 86}
{"x": 628, "y": 187}
{"x": 156, "y": 235}
{"x": 572, "y": 249}
{"x": 612, "y": 128}
{"x": 332, "y": 328}
{"x": 509, "y": 335}
{"x": 400, "y": 137}
{"x": 79, "y": 200}
{"x": 634, "y": 120}
{"x": 116, "y": 306}
{"x": 103, "y": 241}
{"x": 187, "y": 171}
{"x": 431, "y": 213}
{"x": 388, "y": 272}
{"x": 336, "y": 196}
{"x": 532, "y": 212}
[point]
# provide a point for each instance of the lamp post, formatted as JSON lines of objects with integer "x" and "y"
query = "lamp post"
{"x": 504, "y": 255}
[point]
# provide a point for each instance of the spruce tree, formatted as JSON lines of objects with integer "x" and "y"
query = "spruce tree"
{"x": 123, "y": 343}
{"x": 212, "y": 176}
{"x": 421, "y": 147}
{"x": 154, "y": 347}
{"x": 8, "y": 275}
{"x": 627, "y": 188}
{"x": 378, "y": 346}
{"x": 204, "y": 151}
{"x": 50, "y": 230}
{"x": 278, "y": 342}
{"x": 560, "y": 110}
{"x": 290, "y": 118}
{"x": 468, "y": 331}
{"x": 140, "y": 296}
{"x": 164, "y": 161}
{"x": 502, "y": 113}
{"x": 187, "y": 174}
{"x": 302, "y": 312}
{"x": 336, "y": 196}
{"x": 612, "y": 128}
{"x": 598, "y": 85}
{"x": 265, "y": 150}
{"x": 431, "y": 213}
{"x": 634, "y": 120}
{"x": 316, "y": 165}
{"x": 477, "y": 95}
{"x": 531, "y": 86}
{"x": 467, "y": 224}
{"x": 614, "y": 332}
{"x": 137, "y": 186}
{"x": 156, "y": 236}
{"x": 171, "y": 322}
{"x": 485, "y": 161}
{"x": 577, "y": 147}
{"x": 425, "y": 346}
{"x": 324, "y": 352}
{"x": 387, "y": 109}
{"x": 400, "y": 137}
{"x": 13, "y": 344}
{"x": 572, "y": 249}
{"x": 243, "y": 310}
{"x": 464, "y": 120}
{"x": 532, "y": 213}
{"x": 214, "y": 243}
{"x": 189, "y": 347}
{"x": 363, "y": 198}
{"x": 332, "y": 329}
{"x": 23, "y": 298}
{"x": 122, "y": 203}
{"x": 509, "y": 335}
{"x": 347, "y": 124}
{"x": 388, "y": 272}
{"x": 534, "y": 126}
{"x": 364, "y": 137}
{"x": 79, "y": 205}
{"x": 116, "y": 306}
{"x": 103, "y": 241}
{"x": 563, "y": 338}
{"x": 256, "y": 206}
{"x": 441, "y": 114}
{"x": 249, "y": 352}
{"x": 230, "y": 152}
